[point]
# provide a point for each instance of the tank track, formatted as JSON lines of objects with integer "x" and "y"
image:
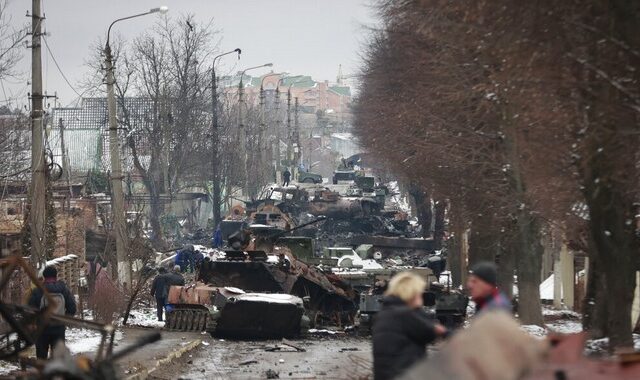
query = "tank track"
{"x": 189, "y": 320}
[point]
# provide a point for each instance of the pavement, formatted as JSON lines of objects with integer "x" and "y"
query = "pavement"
{"x": 140, "y": 363}
{"x": 335, "y": 357}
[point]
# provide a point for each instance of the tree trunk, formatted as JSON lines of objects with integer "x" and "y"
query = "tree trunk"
{"x": 615, "y": 244}
{"x": 439, "y": 225}
{"x": 506, "y": 261}
{"x": 594, "y": 318}
{"x": 528, "y": 264}
{"x": 156, "y": 211}
{"x": 454, "y": 251}
{"x": 484, "y": 241}
{"x": 423, "y": 208}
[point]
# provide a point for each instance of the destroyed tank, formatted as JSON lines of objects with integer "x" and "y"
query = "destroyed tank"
{"x": 448, "y": 306}
{"x": 333, "y": 205}
{"x": 247, "y": 292}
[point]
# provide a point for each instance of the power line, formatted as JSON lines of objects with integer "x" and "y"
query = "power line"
{"x": 46, "y": 44}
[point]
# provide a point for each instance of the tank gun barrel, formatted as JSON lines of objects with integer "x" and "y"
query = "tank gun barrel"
{"x": 277, "y": 235}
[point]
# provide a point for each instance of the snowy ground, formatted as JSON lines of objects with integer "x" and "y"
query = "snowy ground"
{"x": 569, "y": 322}
{"x": 79, "y": 341}
{"x": 7, "y": 367}
{"x": 144, "y": 317}
{"x": 83, "y": 341}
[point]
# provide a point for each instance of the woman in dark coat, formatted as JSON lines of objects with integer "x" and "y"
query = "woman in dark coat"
{"x": 401, "y": 330}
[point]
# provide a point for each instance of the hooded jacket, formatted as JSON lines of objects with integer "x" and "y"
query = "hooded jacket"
{"x": 400, "y": 336}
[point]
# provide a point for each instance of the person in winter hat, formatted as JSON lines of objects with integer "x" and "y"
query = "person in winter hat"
{"x": 482, "y": 284}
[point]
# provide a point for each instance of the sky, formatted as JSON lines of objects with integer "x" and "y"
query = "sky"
{"x": 309, "y": 37}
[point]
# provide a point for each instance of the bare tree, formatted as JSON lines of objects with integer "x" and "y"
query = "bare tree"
{"x": 10, "y": 39}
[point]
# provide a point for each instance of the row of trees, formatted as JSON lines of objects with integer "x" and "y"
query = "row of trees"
{"x": 524, "y": 118}
{"x": 163, "y": 88}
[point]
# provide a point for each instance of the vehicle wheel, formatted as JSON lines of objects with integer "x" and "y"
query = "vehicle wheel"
{"x": 308, "y": 180}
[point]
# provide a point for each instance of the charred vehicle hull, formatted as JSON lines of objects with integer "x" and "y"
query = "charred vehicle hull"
{"x": 232, "y": 313}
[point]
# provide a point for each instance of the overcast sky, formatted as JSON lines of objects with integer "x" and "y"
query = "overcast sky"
{"x": 299, "y": 36}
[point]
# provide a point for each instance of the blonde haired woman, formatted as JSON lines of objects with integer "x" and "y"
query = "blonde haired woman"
{"x": 401, "y": 330}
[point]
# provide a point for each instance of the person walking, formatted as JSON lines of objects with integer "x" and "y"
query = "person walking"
{"x": 402, "y": 329}
{"x": 286, "y": 177}
{"x": 160, "y": 290}
{"x": 65, "y": 304}
{"x": 483, "y": 289}
{"x": 216, "y": 240}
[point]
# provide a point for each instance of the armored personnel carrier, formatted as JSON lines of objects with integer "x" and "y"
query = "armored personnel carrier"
{"x": 262, "y": 278}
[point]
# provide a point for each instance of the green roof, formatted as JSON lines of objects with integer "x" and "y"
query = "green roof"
{"x": 341, "y": 90}
{"x": 303, "y": 81}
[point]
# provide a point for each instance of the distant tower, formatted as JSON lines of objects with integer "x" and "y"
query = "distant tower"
{"x": 339, "y": 78}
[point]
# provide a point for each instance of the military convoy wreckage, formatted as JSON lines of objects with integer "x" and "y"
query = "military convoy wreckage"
{"x": 272, "y": 281}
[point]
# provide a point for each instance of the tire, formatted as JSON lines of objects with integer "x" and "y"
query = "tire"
{"x": 308, "y": 180}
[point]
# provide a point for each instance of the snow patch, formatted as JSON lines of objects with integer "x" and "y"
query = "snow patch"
{"x": 7, "y": 367}
{"x": 534, "y": 330}
{"x": 85, "y": 341}
{"x": 145, "y": 317}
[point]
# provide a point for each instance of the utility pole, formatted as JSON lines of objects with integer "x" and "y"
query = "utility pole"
{"x": 37, "y": 214}
{"x": 117, "y": 193}
{"x": 263, "y": 144}
{"x": 263, "y": 125}
{"x": 289, "y": 135}
{"x": 276, "y": 162}
{"x": 296, "y": 137}
{"x": 216, "y": 196}
{"x": 242, "y": 131}
{"x": 66, "y": 166}
{"x": 215, "y": 141}
{"x": 243, "y": 136}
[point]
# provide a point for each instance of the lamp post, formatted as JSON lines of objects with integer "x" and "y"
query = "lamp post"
{"x": 278, "y": 162}
{"x": 290, "y": 134}
{"x": 241, "y": 130}
{"x": 263, "y": 126}
{"x": 117, "y": 194}
{"x": 216, "y": 198}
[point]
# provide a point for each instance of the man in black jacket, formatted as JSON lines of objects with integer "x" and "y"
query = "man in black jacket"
{"x": 160, "y": 290}
{"x": 65, "y": 305}
{"x": 286, "y": 177}
{"x": 401, "y": 330}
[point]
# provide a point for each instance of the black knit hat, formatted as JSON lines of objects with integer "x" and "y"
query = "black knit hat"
{"x": 50, "y": 272}
{"x": 486, "y": 271}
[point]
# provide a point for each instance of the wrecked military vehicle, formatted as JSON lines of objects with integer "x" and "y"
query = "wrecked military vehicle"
{"x": 253, "y": 289}
{"x": 231, "y": 312}
{"x": 370, "y": 279}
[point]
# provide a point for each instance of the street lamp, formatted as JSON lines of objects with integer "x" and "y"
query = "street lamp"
{"x": 215, "y": 138}
{"x": 241, "y": 130}
{"x": 117, "y": 194}
{"x": 278, "y": 128}
{"x": 290, "y": 135}
{"x": 263, "y": 127}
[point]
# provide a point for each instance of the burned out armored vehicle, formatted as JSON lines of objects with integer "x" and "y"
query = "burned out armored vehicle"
{"x": 443, "y": 303}
{"x": 333, "y": 205}
{"x": 248, "y": 292}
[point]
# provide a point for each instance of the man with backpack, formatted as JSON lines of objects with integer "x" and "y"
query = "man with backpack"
{"x": 65, "y": 304}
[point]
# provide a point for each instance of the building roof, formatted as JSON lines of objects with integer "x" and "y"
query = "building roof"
{"x": 341, "y": 90}
{"x": 302, "y": 82}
